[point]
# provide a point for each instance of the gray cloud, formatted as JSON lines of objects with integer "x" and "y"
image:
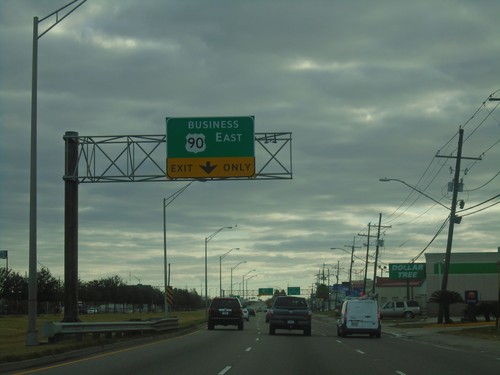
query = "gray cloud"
{"x": 368, "y": 90}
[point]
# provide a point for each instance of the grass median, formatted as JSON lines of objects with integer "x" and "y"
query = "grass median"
{"x": 13, "y": 333}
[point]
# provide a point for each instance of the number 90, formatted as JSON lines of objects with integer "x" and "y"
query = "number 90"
{"x": 196, "y": 142}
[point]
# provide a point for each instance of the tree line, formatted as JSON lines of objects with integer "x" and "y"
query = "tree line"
{"x": 110, "y": 294}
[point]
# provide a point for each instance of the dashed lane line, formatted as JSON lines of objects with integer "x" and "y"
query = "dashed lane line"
{"x": 225, "y": 370}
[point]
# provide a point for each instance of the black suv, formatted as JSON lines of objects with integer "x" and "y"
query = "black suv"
{"x": 225, "y": 312}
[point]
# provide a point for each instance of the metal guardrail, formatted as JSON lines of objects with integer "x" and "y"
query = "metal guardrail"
{"x": 54, "y": 330}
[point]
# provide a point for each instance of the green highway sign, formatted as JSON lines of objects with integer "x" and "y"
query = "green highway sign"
{"x": 293, "y": 291}
{"x": 205, "y": 147}
{"x": 266, "y": 291}
{"x": 407, "y": 271}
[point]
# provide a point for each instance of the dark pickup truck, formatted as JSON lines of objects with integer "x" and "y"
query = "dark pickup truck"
{"x": 290, "y": 313}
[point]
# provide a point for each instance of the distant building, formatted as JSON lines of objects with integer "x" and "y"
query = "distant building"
{"x": 400, "y": 290}
{"x": 468, "y": 272}
{"x": 476, "y": 274}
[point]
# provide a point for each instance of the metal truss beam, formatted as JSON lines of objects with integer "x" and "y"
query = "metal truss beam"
{"x": 142, "y": 158}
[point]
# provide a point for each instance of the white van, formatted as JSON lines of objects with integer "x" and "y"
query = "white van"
{"x": 359, "y": 316}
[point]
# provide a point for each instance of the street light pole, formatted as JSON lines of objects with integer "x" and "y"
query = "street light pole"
{"x": 207, "y": 240}
{"x": 249, "y": 278}
{"x": 385, "y": 179}
{"x": 166, "y": 202}
{"x": 220, "y": 269}
{"x": 32, "y": 334}
{"x": 232, "y": 268}
{"x": 243, "y": 282}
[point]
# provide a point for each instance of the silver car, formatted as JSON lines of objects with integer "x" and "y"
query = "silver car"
{"x": 246, "y": 314}
{"x": 406, "y": 309}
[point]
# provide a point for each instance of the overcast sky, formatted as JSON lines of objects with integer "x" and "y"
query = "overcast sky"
{"x": 368, "y": 89}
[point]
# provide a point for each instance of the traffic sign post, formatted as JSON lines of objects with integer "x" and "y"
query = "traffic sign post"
{"x": 210, "y": 147}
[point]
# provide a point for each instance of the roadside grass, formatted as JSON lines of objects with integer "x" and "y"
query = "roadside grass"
{"x": 13, "y": 333}
{"x": 486, "y": 333}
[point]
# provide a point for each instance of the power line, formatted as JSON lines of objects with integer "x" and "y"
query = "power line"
{"x": 432, "y": 240}
{"x": 483, "y": 185}
{"x": 479, "y": 204}
{"x": 435, "y": 171}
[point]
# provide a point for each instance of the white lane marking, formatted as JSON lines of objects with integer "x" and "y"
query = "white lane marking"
{"x": 248, "y": 349}
{"x": 257, "y": 339}
{"x": 340, "y": 342}
{"x": 225, "y": 370}
{"x": 444, "y": 347}
{"x": 400, "y": 373}
{"x": 360, "y": 351}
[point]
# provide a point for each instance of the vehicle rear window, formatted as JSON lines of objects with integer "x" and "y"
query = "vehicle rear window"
{"x": 361, "y": 307}
{"x": 290, "y": 302}
{"x": 412, "y": 304}
{"x": 221, "y": 303}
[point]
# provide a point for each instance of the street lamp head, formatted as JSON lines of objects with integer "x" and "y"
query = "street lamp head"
{"x": 385, "y": 179}
{"x": 232, "y": 268}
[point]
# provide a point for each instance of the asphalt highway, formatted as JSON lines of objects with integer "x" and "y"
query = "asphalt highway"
{"x": 228, "y": 351}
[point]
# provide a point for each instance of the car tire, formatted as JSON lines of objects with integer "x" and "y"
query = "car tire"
{"x": 272, "y": 330}
{"x": 342, "y": 333}
{"x": 240, "y": 326}
{"x": 408, "y": 315}
{"x": 307, "y": 331}
{"x": 210, "y": 326}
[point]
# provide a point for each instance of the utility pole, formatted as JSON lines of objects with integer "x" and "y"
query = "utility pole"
{"x": 454, "y": 219}
{"x": 376, "y": 250}
{"x": 367, "y": 252}
{"x": 352, "y": 261}
{"x": 337, "y": 285}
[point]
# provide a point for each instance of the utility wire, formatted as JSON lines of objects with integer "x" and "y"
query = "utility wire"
{"x": 483, "y": 185}
{"x": 432, "y": 240}
{"x": 482, "y": 209}
{"x": 479, "y": 204}
{"x": 393, "y": 216}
